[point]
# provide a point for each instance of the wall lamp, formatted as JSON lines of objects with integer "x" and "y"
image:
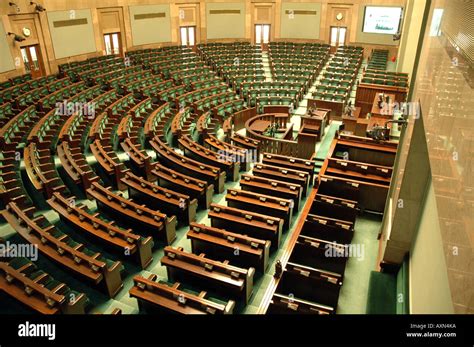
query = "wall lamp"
{"x": 38, "y": 7}
{"x": 17, "y": 38}
{"x": 17, "y": 8}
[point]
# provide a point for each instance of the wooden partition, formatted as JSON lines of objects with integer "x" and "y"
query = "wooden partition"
{"x": 276, "y": 109}
{"x": 336, "y": 107}
{"x": 241, "y": 117}
{"x": 366, "y": 94}
{"x": 271, "y": 144}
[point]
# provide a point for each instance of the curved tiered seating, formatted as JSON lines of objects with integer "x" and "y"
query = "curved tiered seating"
{"x": 95, "y": 168}
{"x": 212, "y": 175}
{"x": 202, "y": 154}
{"x": 164, "y": 199}
{"x": 134, "y": 214}
{"x": 24, "y": 281}
{"x": 125, "y": 241}
{"x": 333, "y": 93}
{"x": 63, "y": 249}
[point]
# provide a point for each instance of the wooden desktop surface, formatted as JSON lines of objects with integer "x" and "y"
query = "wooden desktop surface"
{"x": 387, "y": 110}
{"x": 260, "y": 125}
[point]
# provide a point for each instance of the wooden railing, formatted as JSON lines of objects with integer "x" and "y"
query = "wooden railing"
{"x": 271, "y": 144}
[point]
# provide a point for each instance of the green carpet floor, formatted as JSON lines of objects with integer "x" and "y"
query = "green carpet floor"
{"x": 382, "y": 293}
{"x": 353, "y": 296}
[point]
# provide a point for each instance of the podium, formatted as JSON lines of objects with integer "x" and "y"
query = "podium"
{"x": 314, "y": 122}
{"x": 350, "y": 122}
{"x": 312, "y": 130}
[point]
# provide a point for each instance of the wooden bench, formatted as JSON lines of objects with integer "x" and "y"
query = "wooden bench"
{"x": 11, "y": 185}
{"x": 290, "y": 163}
{"x": 326, "y": 228}
{"x": 311, "y": 284}
{"x": 227, "y": 126}
{"x": 157, "y": 120}
{"x": 282, "y": 304}
{"x": 139, "y": 159}
{"x": 359, "y": 170}
{"x": 219, "y": 277}
{"x": 202, "y": 154}
{"x": 163, "y": 297}
{"x": 64, "y": 250}
{"x": 73, "y": 130}
{"x": 247, "y": 223}
{"x": 320, "y": 254}
{"x": 205, "y": 125}
{"x": 334, "y": 207}
{"x": 210, "y": 174}
{"x": 221, "y": 244}
{"x": 181, "y": 123}
{"x": 132, "y": 214}
{"x": 181, "y": 183}
{"x": 339, "y": 187}
{"x": 109, "y": 162}
{"x": 126, "y": 241}
{"x": 363, "y": 150}
{"x": 237, "y": 154}
{"x": 370, "y": 196}
{"x": 24, "y": 281}
{"x": 261, "y": 203}
{"x": 17, "y": 128}
{"x": 76, "y": 166}
{"x": 246, "y": 142}
{"x": 275, "y": 188}
{"x": 41, "y": 170}
{"x": 300, "y": 178}
{"x": 164, "y": 199}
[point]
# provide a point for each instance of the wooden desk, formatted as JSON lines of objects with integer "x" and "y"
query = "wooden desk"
{"x": 387, "y": 110}
{"x": 336, "y": 107}
{"x": 221, "y": 244}
{"x": 260, "y": 203}
{"x": 366, "y": 93}
{"x": 216, "y": 276}
{"x": 161, "y": 297}
{"x": 350, "y": 122}
{"x": 315, "y": 122}
{"x": 260, "y": 125}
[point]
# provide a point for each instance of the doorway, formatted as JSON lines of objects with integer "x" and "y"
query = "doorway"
{"x": 262, "y": 35}
{"x": 188, "y": 35}
{"x": 112, "y": 44}
{"x": 33, "y": 60}
{"x": 337, "y": 37}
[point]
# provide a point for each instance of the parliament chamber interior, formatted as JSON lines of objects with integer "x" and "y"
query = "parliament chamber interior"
{"x": 236, "y": 157}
